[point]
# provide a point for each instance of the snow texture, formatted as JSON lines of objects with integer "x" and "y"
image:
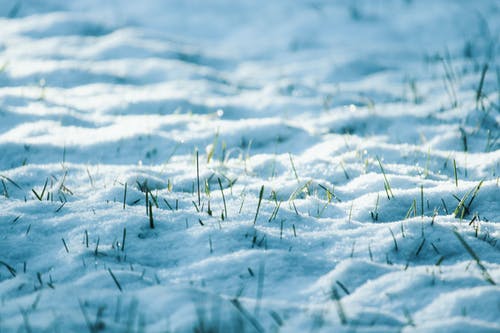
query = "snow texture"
{"x": 320, "y": 166}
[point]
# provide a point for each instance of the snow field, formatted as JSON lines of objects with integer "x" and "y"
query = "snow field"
{"x": 306, "y": 166}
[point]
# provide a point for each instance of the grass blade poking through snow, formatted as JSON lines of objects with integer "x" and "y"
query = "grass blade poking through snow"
{"x": 65, "y": 245}
{"x": 198, "y": 177}
{"x": 260, "y": 287}
{"x": 115, "y": 279}
{"x": 462, "y": 208}
{"x": 248, "y": 316}
{"x": 413, "y": 208}
{"x": 151, "y": 220}
{"x": 474, "y": 256}
{"x": 479, "y": 92}
{"x": 125, "y": 195}
{"x": 476, "y": 190}
{"x": 395, "y": 241}
{"x": 123, "y": 239}
{"x": 293, "y": 168}
{"x": 40, "y": 196}
{"x": 5, "y": 192}
{"x": 11, "y": 181}
{"x": 387, "y": 185}
{"x": 223, "y": 198}
{"x": 340, "y": 309}
{"x": 455, "y": 172}
{"x": 261, "y": 193}
{"x": 11, "y": 269}
{"x": 422, "y": 200}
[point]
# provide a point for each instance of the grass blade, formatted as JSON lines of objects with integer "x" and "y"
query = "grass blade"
{"x": 223, "y": 197}
{"x": 115, "y": 279}
{"x": 261, "y": 193}
{"x": 474, "y": 256}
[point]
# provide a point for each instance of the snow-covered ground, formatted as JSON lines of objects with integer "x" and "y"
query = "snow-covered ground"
{"x": 307, "y": 166}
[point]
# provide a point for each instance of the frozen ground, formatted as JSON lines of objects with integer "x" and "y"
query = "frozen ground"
{"x": 371, "y": 126}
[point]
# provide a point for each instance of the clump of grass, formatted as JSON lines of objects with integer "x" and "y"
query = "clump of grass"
{"x": 330, "y": 194}
{"x": 463, "y": 208}
{"x": 300, "y": 189}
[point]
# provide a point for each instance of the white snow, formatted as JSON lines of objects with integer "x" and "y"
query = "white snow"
{"x": 350, "y": 115}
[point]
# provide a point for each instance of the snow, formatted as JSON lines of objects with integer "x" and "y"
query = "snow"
{"x": 350, "y": 117}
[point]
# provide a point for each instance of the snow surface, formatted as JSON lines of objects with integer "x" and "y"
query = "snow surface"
{"x": 350, "y": 114}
